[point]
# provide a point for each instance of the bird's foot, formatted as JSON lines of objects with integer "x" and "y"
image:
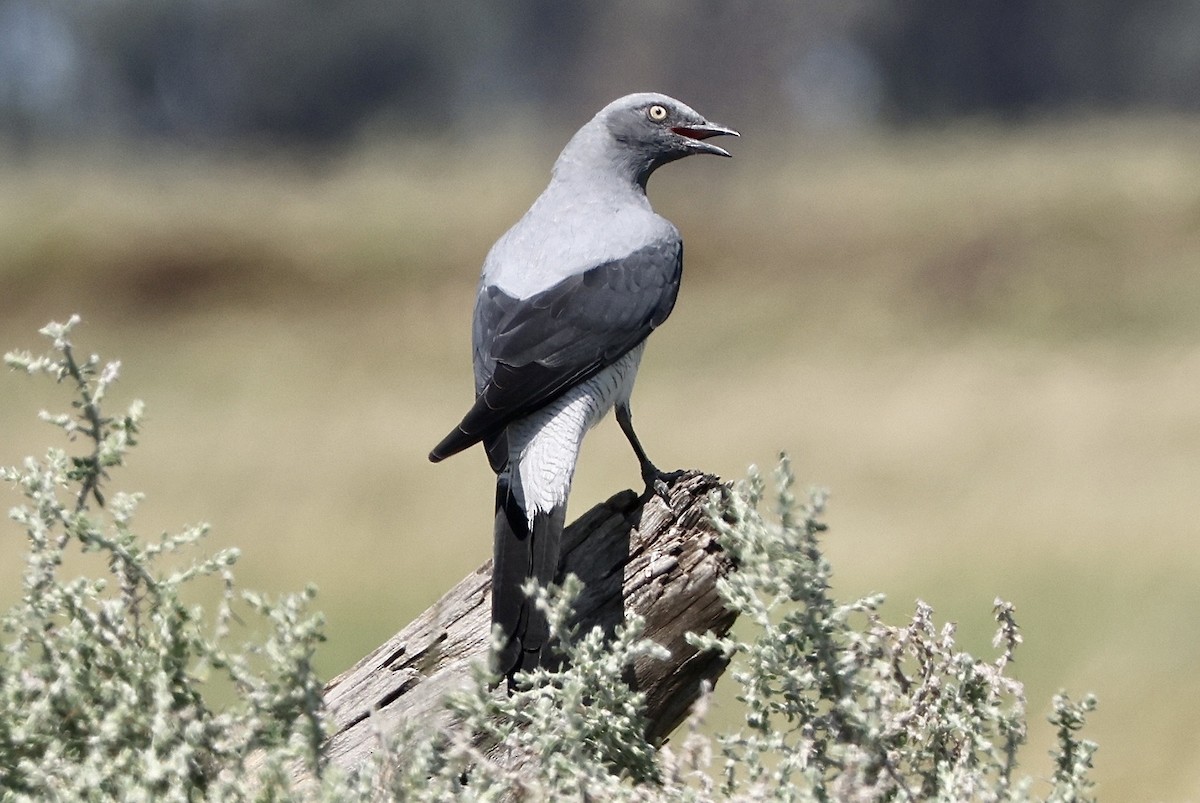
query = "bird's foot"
{"x": 658, "y": 482}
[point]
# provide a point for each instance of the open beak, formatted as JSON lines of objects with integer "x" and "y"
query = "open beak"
{"x": 698, "y": 132}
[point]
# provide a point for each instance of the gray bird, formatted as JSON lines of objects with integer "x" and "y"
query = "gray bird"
{"x": 567, "y": 298}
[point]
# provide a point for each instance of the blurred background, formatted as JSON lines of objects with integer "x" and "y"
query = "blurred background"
{"x": 953, "y": 270}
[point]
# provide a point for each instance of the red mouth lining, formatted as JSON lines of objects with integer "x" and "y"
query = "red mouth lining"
{"x": 694, "y": 133}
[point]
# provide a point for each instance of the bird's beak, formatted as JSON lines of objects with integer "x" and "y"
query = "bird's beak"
{"x": 698, "y": 132}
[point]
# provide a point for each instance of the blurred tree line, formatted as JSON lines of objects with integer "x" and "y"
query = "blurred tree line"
{"x": 320, "y": 71}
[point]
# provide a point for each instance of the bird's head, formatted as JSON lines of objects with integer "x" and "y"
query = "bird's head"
{"x": 641, "y": 132}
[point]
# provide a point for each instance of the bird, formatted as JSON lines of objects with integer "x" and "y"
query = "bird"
{"x": 565, "y": 302}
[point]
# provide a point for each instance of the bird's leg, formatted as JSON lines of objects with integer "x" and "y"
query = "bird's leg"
{"x": 655, "y": 480}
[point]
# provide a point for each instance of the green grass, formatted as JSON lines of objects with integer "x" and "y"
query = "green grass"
{"x": 984, "y": 342}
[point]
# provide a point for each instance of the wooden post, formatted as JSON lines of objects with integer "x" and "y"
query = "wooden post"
{"x": 655, "y": 558}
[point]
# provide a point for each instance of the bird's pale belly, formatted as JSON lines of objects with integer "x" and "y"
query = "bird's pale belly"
{"x": 545, "y": 445}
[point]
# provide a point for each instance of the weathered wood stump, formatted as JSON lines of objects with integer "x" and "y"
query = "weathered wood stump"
{"x": 659, "y": 559}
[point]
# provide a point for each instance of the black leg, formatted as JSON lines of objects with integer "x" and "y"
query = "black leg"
{"x": 654, "y": 479}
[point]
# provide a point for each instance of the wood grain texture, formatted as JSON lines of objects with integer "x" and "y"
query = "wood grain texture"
{"x": 656, "y": 558}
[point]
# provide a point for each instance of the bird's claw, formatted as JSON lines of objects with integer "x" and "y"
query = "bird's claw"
{"x": 657, "y": 482}
{"x": 660, "y": 488}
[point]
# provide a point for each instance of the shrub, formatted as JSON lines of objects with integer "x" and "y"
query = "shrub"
{"x": 102, "y": 679}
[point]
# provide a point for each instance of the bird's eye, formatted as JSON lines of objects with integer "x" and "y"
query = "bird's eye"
{"x": 657, "y": 113}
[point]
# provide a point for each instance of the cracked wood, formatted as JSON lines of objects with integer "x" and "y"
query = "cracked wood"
{"x": 655, "y": 558}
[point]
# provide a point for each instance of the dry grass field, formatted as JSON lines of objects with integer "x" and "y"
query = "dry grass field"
{"x": 985, "y": 342}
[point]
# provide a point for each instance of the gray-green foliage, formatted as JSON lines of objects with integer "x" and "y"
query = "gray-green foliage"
{"x": 840, "y": 705}
{"x": 101, "y": 679}
{"x": 570, "y": 734}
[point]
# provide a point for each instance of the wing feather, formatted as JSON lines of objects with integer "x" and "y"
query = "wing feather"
{"x": 530, "y": 351}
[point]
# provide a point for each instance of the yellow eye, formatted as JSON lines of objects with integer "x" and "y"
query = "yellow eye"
{"x": 657, "y": 113}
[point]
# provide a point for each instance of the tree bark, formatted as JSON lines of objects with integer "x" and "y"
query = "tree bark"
{"x": 656, "y": 558}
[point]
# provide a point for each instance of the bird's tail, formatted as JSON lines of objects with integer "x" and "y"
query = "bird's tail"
{"x": 522, "y": 549}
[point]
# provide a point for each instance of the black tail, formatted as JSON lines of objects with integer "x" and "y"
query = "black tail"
{"x": 521, "y": 552}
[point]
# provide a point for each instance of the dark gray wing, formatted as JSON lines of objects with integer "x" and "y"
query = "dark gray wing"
{"x": 529, "y": 351}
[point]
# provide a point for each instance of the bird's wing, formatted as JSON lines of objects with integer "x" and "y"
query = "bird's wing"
{"x": 529, "y": 351}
